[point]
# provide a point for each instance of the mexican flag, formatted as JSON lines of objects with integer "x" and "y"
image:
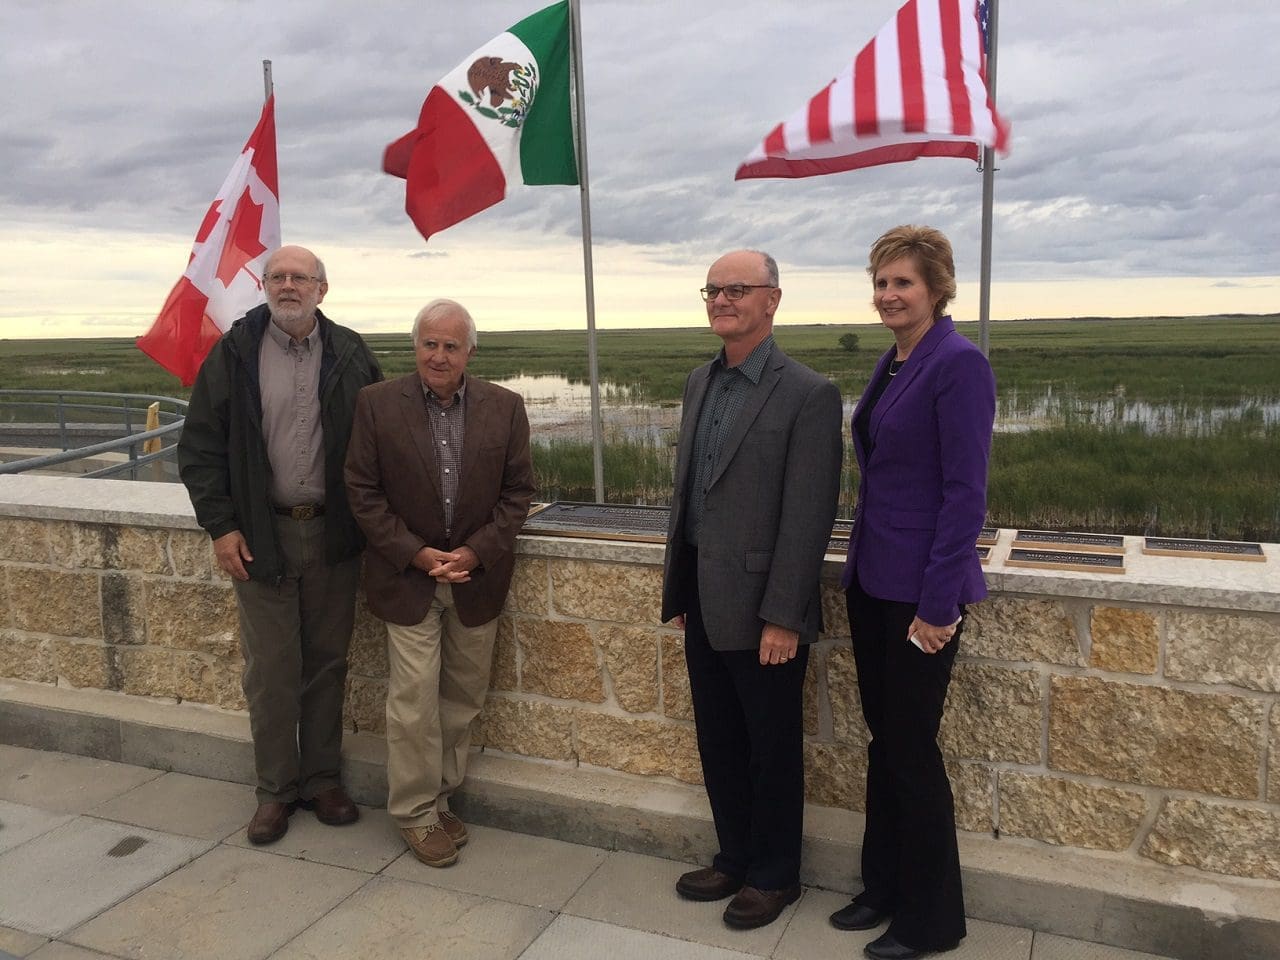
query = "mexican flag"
{"x": 500, "y": 117}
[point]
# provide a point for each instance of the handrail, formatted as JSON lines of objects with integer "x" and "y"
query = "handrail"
{"x": 129, "y": 407}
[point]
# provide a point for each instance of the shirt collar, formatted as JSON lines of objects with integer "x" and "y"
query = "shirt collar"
{"x": 283, "y": 340}
{"x": 753, "y": 367}
{"x": 459, "y": 395}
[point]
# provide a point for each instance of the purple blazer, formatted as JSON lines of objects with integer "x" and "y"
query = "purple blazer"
{"x": 922, "y": 497}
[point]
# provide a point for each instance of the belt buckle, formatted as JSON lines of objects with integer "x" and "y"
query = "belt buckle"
{"x": 305, "y": 512}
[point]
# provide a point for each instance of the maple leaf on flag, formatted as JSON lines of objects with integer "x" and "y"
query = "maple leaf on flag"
{"x": 243, "y": 243}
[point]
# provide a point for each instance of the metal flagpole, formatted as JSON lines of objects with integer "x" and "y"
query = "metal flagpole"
{"x": 988, "y": 194}
{"x": 580, "y": 148}
{"x": 267, "y": 85}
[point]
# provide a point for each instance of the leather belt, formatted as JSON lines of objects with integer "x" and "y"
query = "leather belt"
{"x": 304, "y": 512}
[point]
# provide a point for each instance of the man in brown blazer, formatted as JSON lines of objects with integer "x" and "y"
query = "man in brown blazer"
{"x": 439, "y": 478}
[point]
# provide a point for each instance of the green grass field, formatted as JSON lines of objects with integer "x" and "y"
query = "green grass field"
{"x": 1199, "y": 477}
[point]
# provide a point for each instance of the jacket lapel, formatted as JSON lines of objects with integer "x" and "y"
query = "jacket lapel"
{"x": 911, "y": 369}
{"x": 477, "y": 428}
{"x": 862, "y": 402}
{"x": 751, "y": 408}
{"x": 413, "y": 408}
{"x": 698, "y": 381}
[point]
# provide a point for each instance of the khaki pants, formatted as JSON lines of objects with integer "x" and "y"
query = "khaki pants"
{"x": 294, "y": 637}
{"x": 439, "y": 674}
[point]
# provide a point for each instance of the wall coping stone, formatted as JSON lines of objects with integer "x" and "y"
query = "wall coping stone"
{"x": 1172, "y": 581}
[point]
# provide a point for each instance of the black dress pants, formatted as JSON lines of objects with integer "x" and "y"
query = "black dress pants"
{"x": 751, "y": 740}
{"x": 910, "y": 861}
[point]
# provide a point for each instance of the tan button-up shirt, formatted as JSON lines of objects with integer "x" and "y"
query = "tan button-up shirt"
{"x": 289, "y": 378}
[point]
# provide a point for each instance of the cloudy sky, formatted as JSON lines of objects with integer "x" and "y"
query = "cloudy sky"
{"x": 1142, "y": 177}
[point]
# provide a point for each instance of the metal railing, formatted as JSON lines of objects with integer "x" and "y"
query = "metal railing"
{"x": 60, "y": 418}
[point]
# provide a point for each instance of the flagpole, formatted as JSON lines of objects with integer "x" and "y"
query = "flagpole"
{"x": 267, "y": 85}
{"x": 584, "y": 190}
{"x": 988, "y": 194}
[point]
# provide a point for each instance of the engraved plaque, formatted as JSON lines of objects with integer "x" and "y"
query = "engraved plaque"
{"x": 1077, "y": 542}
{"x": 1065, "y": 560}
{"x": 988, "y": 535}
{"x": 984, "y": 553}
{"x": 600, "y": 521}
{"x": 1206, "y": 549}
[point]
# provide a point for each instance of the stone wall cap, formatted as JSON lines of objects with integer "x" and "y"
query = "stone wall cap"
{"x": 142, "y": 503}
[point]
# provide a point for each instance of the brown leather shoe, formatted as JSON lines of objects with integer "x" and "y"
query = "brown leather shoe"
{"x": 455, "y": 828}
{"x": 270, "y": 822}
{"x": 430, "y": 844}
{"x": 753, "y": 907}
{"x": 333, "y": 807}
{"x": 707, "y": 884}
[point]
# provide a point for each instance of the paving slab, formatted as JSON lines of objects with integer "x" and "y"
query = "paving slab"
{"x": 64, "y": 783}
{"x": 231, "y": 904}
{"x": 367, "y": 845}
{"x": 632, "y": 890}
{"x": 183, "y": 804}
{"x": 574, "y": 938}
{"x": 18, "y": 943}
{"x": 534, "y": 871}
{"x": 20, "y": 823}
{"x": 1050, "y": 947}
{"x": 810, "y": 934}
{"x": 62, "y": 878}
{"x": 395, "y": 920}
{"x": 67, "y": 951}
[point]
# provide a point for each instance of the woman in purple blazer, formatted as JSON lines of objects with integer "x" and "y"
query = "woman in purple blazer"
{"x": 922, "y": 435}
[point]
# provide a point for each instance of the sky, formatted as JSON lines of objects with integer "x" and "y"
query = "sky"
{"x": 1141, "y": 179}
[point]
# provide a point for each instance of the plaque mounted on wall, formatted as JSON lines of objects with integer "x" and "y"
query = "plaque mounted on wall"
{"x": 984, "y": 552}
{"x": 599, "y": 521}
{"x": 1075, "y": 542}
{"x": 987, "y": 536}
{"x": 1065, "y": 560}
{"x": 1205, "y": 549}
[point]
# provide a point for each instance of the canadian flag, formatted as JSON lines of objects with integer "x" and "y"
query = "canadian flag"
{"x": 223, "y": 278}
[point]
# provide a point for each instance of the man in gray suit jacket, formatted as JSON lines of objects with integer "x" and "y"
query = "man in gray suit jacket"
{"x": 757, "y": 477}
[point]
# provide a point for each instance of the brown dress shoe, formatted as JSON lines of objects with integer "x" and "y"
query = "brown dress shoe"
{"x": 333, "y": 807}
{"x": 431, "y": 844}
{"x": 753, "y": 907}
{"x": 270, "y": 822}
{"x": 455, "y": 828}
{"x": 707, "y": 884}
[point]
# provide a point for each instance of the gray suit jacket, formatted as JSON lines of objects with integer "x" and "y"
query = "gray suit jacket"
{"x": 769, "y": 509}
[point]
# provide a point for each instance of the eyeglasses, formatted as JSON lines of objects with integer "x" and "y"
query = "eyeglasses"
{"x": 732, "y": 291}
{"x": 297, "y": 279}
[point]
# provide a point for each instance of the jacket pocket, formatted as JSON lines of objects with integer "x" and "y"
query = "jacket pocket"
{"x": 758, "y": 561}
{"x": 913, "y": 519}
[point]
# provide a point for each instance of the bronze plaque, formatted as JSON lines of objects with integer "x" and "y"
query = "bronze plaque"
{"x": 1208, "y": 549}
{"x": 1079, "y": 542}
{"x": 984, "y": 553}
{"x": 988, "y": 535}
{"x": 599, "y": 521}
{"x": 1065, "y": 560}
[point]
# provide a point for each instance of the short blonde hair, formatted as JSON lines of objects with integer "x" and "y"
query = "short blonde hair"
{"x": 930, "y": 250}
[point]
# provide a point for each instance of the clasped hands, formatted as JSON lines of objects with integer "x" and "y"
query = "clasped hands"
{"x": 446, "y": 566}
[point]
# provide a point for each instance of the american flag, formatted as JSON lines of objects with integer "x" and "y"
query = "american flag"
{"x": 918, "y": 89}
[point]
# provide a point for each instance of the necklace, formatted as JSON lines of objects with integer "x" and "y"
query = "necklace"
{"x": 895, "y": 366}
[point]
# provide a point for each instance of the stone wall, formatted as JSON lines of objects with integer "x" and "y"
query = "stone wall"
{"x": 1136, "y": 715}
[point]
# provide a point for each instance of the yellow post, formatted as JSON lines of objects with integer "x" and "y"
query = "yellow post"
{"x": 153, "y": 423}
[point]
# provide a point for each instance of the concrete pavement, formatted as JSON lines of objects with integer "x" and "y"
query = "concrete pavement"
{"x": 100, "y": 859}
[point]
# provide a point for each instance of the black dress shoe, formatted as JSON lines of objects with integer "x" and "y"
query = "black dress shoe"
{"x": 857, "y": 916}
{"x": 753, "y": 907}
{"x": 707, "y": 884}
{"x": 887, "y": 947}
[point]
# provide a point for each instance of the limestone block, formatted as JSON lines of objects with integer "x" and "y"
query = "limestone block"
{"x": 190, "y": 615}
{"x": 676, "y": 702}
{"x": 24, "y": 541}
{"x": 26, "y": 658}
{"x": 1222, "y": 648}
{"x": 618, "y": 592}
{"x": 528, "y": 728}
{"x": 645, "y": 747}
{"x": 86, "y": 664}
{"x": 205, "y": 679}
{"x": 1219, "y": 837}
{"x": 529, "y": 587}
{"x": 51, "y": 601}
{"x": 140, "y": 548}
{"x": 150, "y": 672}
{"x": 847, "y": 724}
{"x": 835, "y": 775}
{"x": 558, "y": 660}
{"x": 1123, "y": 640}
{"x": 814, "y": 681}
{"x": 631, "y": 657}
{"x": 1207, "y": 742}
{"x": 1016, "y": 628}
{"x": 365, "y": 708}
{"x": 992, "y": 713}
{"x": 191, "y": 554}
{"x": 85, "y": 546}
{"x": 971, "y": 786}
{"x": 1055, "y": 810}
{"x": 503, "y": 675}
{"x": 367, "y": 654}
{"x": 124, "y": 609}
{"x": 835, "y": 616}
{"x": 1273, "y": 764}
